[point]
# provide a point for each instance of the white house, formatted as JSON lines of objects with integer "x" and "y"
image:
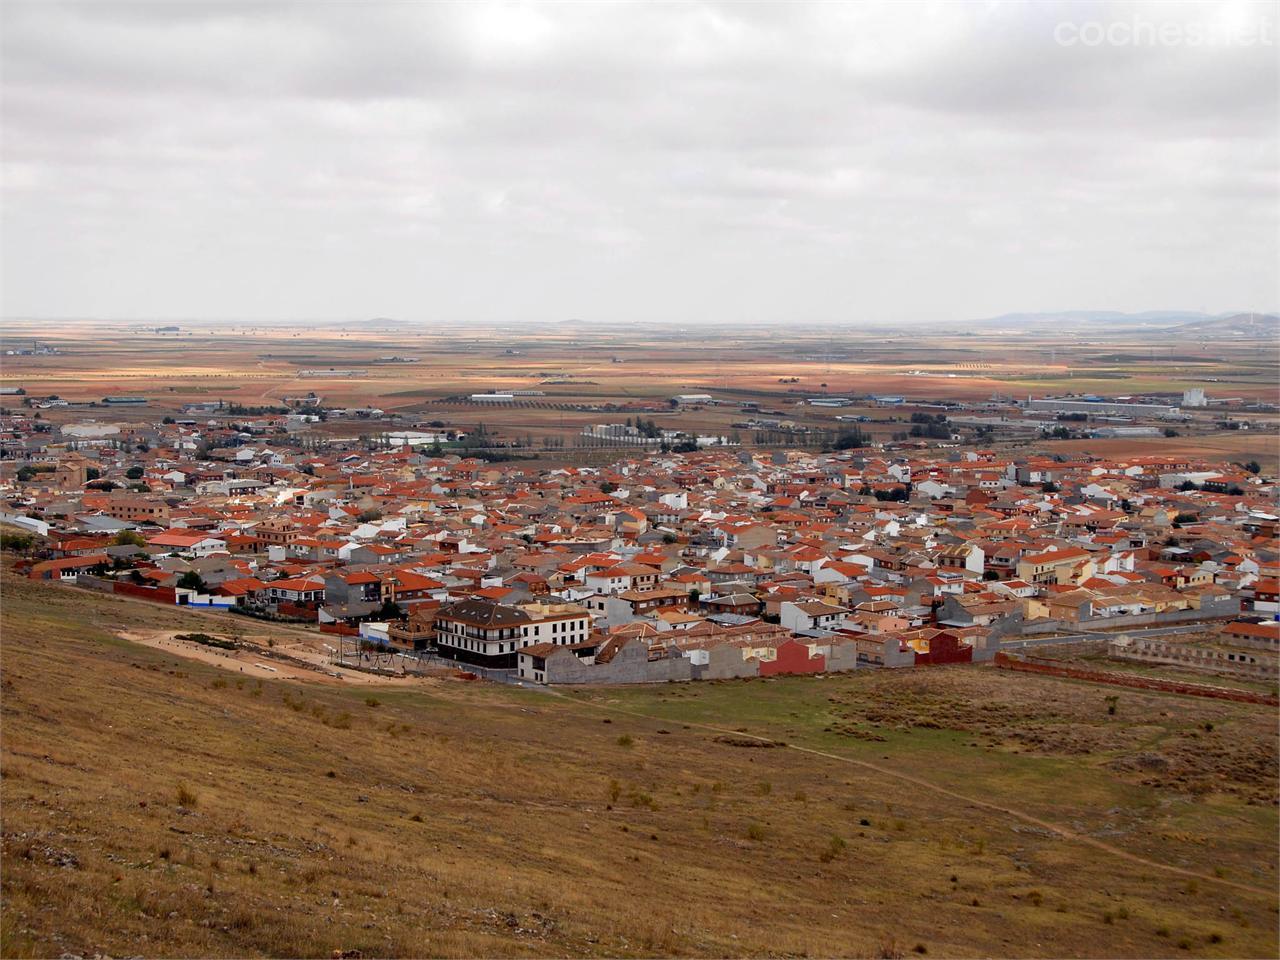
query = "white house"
{"x": 811, "y": 615}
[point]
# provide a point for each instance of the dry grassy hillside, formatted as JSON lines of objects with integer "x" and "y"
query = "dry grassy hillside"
{"x": 159, "y": 806}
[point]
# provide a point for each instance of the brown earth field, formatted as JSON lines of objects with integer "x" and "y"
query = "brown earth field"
{"x": 158, "y": 805}
{"x": 1262, "y": 445}
{"x": 247, "y": 364}
{"x": 601, "y": 375}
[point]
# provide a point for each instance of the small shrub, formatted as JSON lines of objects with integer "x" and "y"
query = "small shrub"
{"x": 615, "y": 791}
{"x": 920, "y": 948}
{"x": 416, "y": 818}
{"x": 371, "y": 701}
{"x": 833, "y": 850}
{"x": 1036, "y": 898}
{"x": 625, "y": 740}
{"x": 640, "y": 799}
{"x": 765, "y": 788}
{"x": 186, "y": 798}
{"x": 755, "y": 832}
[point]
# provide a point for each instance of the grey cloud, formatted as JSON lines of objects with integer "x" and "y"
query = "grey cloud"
{"x": 627, "y": 161}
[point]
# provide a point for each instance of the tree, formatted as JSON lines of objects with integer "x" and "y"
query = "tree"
{"x": 18, "y": 542}
{"x": 370, "y": 515}
{"x": 25, "y": 474}
{"x": 192, "y": 581}
{"x": 134, "y": 473}
{"x": 1049, "y": 487}
{"x": 1253, "y": 466}
{"x": 608, "y": 487}
{"x": 1186, "y": 486}
{"x": 92, "y": 473}
{"x": 849, "y": 439}
{"x": 130, "y": 538}
{"x": 695, "y": 595}
{"x": 390, "y": 610}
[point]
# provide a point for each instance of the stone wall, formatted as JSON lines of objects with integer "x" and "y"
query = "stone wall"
{"x": 631, "y": 664}
{"x": 1153, "y": 650}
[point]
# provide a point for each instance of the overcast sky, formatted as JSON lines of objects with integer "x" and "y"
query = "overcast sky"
{"x": 636, "y": 161}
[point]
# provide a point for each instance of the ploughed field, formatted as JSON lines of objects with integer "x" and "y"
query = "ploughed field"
{"x": 160, "y": 805}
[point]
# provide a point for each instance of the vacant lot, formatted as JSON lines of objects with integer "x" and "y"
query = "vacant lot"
{"x": 158, "y": 805}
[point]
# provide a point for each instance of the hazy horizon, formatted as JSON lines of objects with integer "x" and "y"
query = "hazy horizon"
{"x": 1078, "y": 320}
{"x": 757, "y": 163}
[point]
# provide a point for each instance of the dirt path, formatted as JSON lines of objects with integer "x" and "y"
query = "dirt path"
{"x": 253, "y": 662}
{"x": 1063, "y": 832}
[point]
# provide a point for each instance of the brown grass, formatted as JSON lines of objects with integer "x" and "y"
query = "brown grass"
{"x": 510, "y": 823}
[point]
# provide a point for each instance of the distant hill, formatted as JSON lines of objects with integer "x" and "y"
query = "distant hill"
{"x": 1080, "y": 318}
{"x": 1244, "y": 325}
{"x": 1175, "y": 322}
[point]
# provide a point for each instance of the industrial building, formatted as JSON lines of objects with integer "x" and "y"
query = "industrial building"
{"x": 1102, "y": 408}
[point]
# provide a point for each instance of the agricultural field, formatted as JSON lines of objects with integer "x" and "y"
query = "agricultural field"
{"x": 161, "y": 804}
{"x": 250, "y": 364}
{"x": 577, "y": 366}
